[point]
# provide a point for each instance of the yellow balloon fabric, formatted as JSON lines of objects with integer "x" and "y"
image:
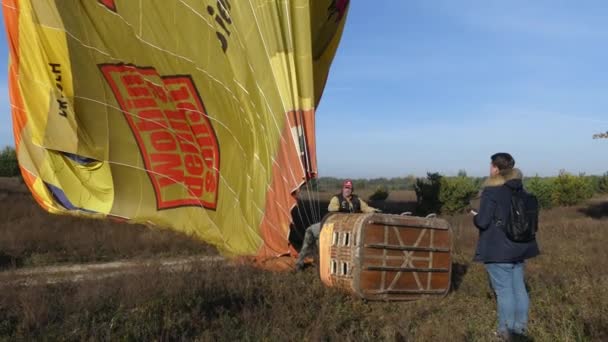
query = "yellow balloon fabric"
{"x": 196, "y": 115}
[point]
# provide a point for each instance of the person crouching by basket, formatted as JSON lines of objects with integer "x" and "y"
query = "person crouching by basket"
{"x": 503, "y": 257}
{"x": 344, "y": 202}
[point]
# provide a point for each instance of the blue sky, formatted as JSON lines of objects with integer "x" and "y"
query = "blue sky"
{"x": 440, "y": 85}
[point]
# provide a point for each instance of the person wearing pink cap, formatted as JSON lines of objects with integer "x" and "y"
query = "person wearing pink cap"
{"x": 344, "y": 202}
{"x": 347, "y": 202}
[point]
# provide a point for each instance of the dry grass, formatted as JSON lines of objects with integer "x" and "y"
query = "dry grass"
{"x": 568, "y": 289}
{"x": 31, "y": 237}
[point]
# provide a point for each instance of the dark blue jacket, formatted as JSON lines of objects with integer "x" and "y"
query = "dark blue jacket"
{"x": 493, "y": 244}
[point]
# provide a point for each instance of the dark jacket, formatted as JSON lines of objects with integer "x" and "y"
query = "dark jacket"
{"x": 493, "y": 244}
{"x": 353, "y": 207}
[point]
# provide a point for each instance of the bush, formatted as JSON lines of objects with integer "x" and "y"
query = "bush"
{"x": 427, "y": 194}
{"x": 9, "y": 167}
{"x": 571, "y": 190}
{"x": 595, "y": 183}
{"x": 603, "y": 184}
{"x": 380, "y": 194}
{"x": 359, "y": 184}
{"x": 455, "y": 193}
{"x": 437, "y": 194}
{"x": 410, "y": 182}
{"x": 542, "y": 188}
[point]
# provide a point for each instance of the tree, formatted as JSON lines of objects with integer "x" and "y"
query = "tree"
{"x": 570, "y": 190}
{"x": 455, "y": 193}
{"x": 9, "y": 167}
{"x": 601, "y": 135}
{"x": 427, "y": 193}
{"x": 380, "y": 194}
{"x": 603, "y": 183}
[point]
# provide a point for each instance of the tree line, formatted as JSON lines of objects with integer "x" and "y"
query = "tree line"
{"x": 435, "y": 193}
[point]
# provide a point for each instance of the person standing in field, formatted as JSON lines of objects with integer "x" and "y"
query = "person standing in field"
{"x": 344, "y": 202}
{"x": 503, "y": 258}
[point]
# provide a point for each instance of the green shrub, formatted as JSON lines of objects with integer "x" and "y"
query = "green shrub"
{"x": 410, "y": 182}
{"x": 603, "y": 184}
{"x": 359, "y": 184}
{"x": 380, "y": 194}
{"x": 478, "y": 181}
{"x": 595, "y": 183}
{"x": 455, "y": 193}
{"x": 571, "y": 190}
{"x": 542, "y": 188}
{"x": 427, "y": 194}
{"x": 9, "y": 166}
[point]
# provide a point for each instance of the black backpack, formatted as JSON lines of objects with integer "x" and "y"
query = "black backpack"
{"x": 522, "y": 224}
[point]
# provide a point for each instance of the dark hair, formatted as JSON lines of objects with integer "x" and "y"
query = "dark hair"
{"x": 503, "y": 161}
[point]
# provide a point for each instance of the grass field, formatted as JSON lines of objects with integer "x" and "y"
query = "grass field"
{"x": 31, "y": 237}
{"x": 568, "y": 286}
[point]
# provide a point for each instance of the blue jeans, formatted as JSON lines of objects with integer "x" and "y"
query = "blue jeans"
{"x": 507, "y": 280}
